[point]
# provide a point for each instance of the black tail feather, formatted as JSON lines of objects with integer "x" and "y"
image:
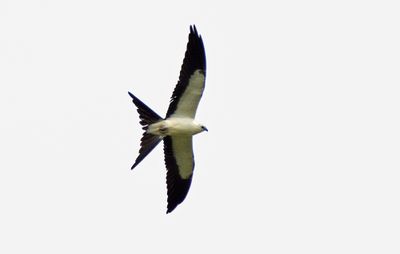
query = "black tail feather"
{"x": 147, "y": 117}
{"x": 147, "y": 144}
{"x": 146, "y": 114}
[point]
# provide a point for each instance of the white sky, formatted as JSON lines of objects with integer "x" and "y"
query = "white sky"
{"x": 301, "y": 102}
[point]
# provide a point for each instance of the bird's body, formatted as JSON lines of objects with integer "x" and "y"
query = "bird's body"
{"x": 175, "y": 126}
{"x": 178, "y": 127}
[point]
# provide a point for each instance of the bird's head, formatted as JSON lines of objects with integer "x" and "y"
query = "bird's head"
{"x": 198, "y": 127}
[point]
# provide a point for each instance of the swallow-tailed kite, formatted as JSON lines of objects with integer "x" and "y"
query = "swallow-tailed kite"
{"x": 178, "y": 127}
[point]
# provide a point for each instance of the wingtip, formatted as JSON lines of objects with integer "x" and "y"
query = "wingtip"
{"x": 131, "y": 95}
{"x": 169, "y": 210}
{"x": 193, "y": 30}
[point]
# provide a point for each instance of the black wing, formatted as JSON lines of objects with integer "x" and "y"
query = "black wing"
{"x": 179, "y": 178}
{"x": 193, "y": 69}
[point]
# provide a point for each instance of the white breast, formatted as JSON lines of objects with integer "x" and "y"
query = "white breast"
{"x": 175, "y": 126}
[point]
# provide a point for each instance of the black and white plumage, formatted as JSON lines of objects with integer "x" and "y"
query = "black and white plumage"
{"x": 178, "y": 127}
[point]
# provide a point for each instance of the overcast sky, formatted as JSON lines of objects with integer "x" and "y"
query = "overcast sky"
{"x": 302, "y": 104}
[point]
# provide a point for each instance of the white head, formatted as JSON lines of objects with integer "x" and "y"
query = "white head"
{"x": 199, "y": 127}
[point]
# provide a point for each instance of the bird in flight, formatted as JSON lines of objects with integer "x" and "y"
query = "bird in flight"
{"x": 178, "y": 127}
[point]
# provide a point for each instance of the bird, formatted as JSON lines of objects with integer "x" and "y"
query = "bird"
{"x": 178, "y": 127}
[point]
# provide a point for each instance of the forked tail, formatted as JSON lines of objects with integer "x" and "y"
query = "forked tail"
{"x": 146, "y": 114}
{"x": 147, "y": 117}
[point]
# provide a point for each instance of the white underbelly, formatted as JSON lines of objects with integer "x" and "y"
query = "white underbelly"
{"x": 175, "y": 126}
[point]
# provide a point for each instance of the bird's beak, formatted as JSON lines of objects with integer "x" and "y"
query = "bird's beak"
{"x": 204, "y": 128}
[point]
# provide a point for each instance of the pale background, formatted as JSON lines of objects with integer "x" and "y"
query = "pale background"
{"x": 301, "y": 102}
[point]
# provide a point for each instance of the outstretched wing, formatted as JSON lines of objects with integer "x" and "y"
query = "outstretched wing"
{"x": 179, "y": 161}
{"x": 188, "y": 91}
